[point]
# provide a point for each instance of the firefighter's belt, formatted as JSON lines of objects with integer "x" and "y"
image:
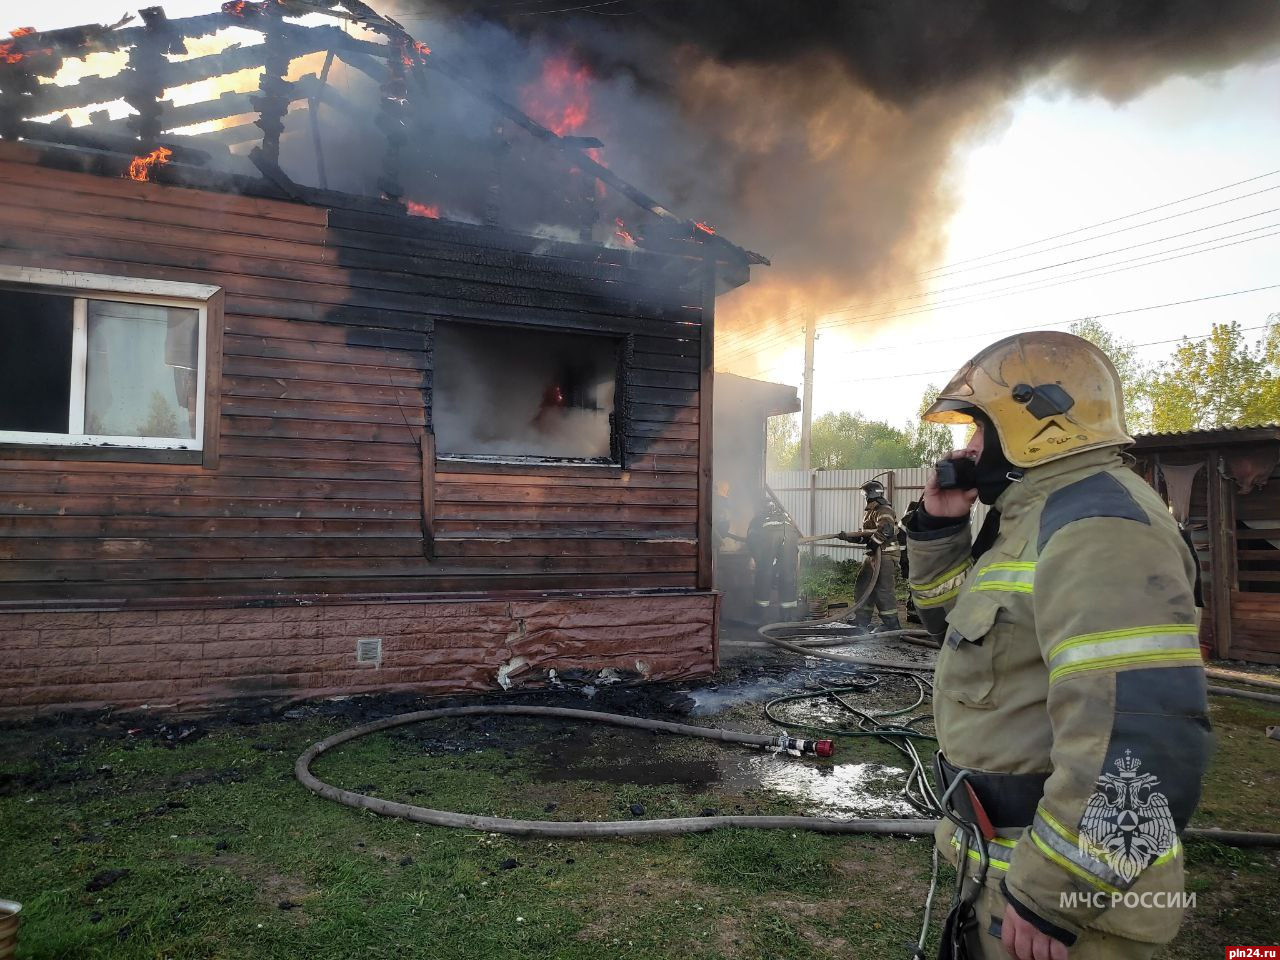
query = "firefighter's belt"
{"x": 1009, "y": 799}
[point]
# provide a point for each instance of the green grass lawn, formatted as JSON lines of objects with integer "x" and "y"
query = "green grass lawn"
{"x": 227, "y": 856}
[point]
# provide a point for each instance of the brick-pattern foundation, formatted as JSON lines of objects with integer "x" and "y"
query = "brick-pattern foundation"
{"x": 181, "y": 658}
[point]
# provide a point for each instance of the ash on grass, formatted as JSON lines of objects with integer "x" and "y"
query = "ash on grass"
{"x": 215, "y": 851}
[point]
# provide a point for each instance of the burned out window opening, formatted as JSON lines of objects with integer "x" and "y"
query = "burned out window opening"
{"x": 91, "y": 361}
{"x": 528, "y": 395}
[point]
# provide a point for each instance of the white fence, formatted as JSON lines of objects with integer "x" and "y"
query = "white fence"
{"x": 829, "y": 501}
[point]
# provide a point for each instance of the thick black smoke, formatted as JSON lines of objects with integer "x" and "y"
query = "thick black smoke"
{"x": 820, "y": 131}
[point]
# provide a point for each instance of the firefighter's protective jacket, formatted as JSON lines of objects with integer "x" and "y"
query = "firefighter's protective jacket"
{"x": 879, "y": 527}
{"x": 1070, "y": 656}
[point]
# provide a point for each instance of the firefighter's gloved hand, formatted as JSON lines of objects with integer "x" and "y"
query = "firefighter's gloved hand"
{"x": 947, "y": 503}
{"x": 851, "y": 537}
{"x": 1024, "y": 941}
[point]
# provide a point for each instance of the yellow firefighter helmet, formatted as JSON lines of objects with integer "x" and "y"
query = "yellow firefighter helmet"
{"x": 1049, "y": 394}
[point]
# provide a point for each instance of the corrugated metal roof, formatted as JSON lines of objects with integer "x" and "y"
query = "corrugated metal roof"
{"x": 1208, "y": 438}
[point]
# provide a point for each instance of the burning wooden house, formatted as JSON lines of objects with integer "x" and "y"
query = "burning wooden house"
{"x": 276, "y": 423}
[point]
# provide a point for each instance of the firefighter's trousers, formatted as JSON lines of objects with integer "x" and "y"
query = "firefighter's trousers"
{"x": 776, "y": 550}
{"x": 883, "y": 598}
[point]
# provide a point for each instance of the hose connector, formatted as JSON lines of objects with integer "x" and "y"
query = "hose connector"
{"x": 797, "y": 746}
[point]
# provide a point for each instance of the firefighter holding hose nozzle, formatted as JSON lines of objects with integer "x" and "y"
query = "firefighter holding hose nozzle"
{"x": 1070, "y": 697}
{"x": 879, "y": 534}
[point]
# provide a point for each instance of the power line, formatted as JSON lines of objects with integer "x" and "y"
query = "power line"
{"x": 1104, "y": 223}
{"x": 755, "y": 348}
{"x": 1092, "y": 256}
{"x": 982, "y": 335}
{"x": 1092, "y": 316}
{"x": 1090, "y": 273}
{"x": 1112, "y": 233}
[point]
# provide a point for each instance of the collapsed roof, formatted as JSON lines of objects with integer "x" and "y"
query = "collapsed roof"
{"x": 303, "y": 136}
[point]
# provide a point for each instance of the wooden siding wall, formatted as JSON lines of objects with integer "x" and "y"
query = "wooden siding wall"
{"x": 327, "y": 360}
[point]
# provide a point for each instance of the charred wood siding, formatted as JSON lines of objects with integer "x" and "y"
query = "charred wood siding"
{"x": 326, "y": 377}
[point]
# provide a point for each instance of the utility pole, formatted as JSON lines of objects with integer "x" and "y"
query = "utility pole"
{"x": 806, "y": 408}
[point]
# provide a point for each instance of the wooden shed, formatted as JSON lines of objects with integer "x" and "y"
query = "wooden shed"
{"x": 742, "y": 413}
{"x": 260, "y": 436}
{"x": 1221, "y": 484}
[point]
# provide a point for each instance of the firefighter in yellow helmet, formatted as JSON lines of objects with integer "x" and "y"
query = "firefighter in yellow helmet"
{"x": 1070, "y": 693}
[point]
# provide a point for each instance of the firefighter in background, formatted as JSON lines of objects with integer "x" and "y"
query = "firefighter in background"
{"x": 1070, "y": 696}
{"x": 774, "y": 545}
{"x": 722, "y": 515}
{"x": 879, "y": 534}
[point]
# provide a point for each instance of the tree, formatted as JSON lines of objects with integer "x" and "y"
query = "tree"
{"x": 1219, "y": 381}
{"x": 782, "y": 441}
{"x": 1133, "y": 373}
{"x": 932, "y": 441}
{"x": 849, "y": 441}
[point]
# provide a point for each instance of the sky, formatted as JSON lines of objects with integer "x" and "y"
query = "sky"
{"x": 1059, "y": 162}
{"x": 1062, "y": 162}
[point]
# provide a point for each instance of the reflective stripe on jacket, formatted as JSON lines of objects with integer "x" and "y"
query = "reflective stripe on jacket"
{"x": 1070, "y": 649}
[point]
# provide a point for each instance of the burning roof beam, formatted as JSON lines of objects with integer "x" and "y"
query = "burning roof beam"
{"x": 22, "y": 98}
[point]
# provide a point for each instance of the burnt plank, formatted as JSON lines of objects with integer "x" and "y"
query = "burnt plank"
{"x": 328, "y": 333}
{"x": 656, "y": 413}
{"x": 664, "y": 431}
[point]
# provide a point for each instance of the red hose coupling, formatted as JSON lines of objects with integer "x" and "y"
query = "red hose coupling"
{"x": 824, "y": 748}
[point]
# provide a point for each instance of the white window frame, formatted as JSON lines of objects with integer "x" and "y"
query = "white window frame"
{"x": 82, "y": 287}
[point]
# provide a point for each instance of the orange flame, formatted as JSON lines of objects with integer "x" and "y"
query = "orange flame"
{"x": 416, "y": 209}
{"x": 559, "y": 100}
{"x": 623, "y": 234}
{"x": 235, "y": 8}
{"x": 9, "y": 55}
{"x": 421, "y": 49}
{"x": 140, "y": 167}
{"x": 705, "y": 229}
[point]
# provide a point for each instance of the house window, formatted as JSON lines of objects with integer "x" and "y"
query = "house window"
{"x": 101, "y": 361}
{"x": 526, "y": 394}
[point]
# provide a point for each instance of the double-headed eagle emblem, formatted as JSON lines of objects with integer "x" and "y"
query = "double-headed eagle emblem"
{"x": 1127, "y": 823}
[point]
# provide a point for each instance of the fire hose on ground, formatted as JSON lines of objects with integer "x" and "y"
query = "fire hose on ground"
{"x": 581, "y": 829}
{"x": 918, "y": 790}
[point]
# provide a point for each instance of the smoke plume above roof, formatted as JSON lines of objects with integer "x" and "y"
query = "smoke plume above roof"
{"x": 821, "y": 133}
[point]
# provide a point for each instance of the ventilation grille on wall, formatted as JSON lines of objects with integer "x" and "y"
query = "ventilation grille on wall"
{"x": 369, "y": 650}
